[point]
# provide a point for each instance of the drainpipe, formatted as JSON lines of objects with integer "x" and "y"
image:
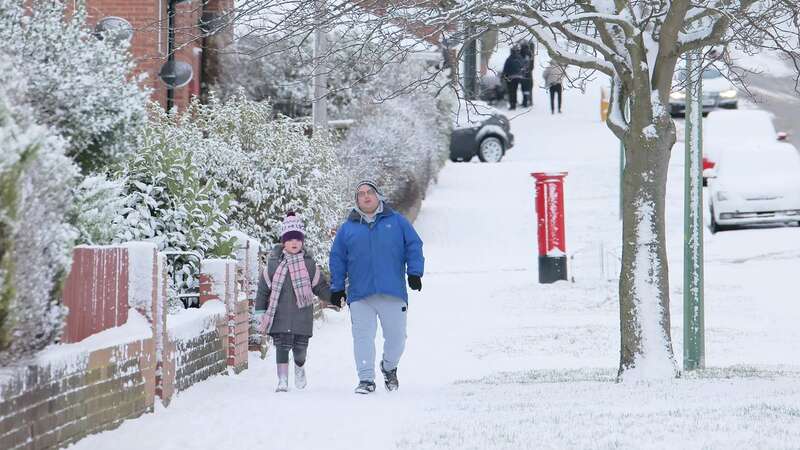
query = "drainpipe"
{"x": 170, "y": 49}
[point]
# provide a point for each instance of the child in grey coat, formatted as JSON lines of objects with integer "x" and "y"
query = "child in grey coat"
{"x": 286, "y": 289}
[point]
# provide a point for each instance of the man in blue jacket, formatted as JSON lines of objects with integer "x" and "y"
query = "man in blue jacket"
{"x": 374, "y": 250}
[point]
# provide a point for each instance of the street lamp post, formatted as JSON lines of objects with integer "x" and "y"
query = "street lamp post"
{"x": 319, "y": 106}
{"x": 470, "y": 63}
{"x": 693, "y": 314}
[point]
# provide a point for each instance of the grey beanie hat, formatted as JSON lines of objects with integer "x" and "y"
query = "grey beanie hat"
{"x": 371, "y": 184}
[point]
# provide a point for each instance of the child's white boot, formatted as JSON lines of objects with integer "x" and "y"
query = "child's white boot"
{"x": 283, "y": 378}
{"x": 299, "y": 377}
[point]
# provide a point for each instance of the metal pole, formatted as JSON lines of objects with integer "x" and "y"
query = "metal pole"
{"x": 319, "y": 106}
{"x": 693, "y": 317}
{"x": 621, "y": 173}
{"x": 470, "y": 64}
{"x": 170, "y": 49}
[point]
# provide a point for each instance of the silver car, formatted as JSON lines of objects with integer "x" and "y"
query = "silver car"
{"x": 718, "y": 92}
{"x": 750, "y": 186}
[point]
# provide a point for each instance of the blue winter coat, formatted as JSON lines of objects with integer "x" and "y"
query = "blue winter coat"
{"x": 375, "y": 257}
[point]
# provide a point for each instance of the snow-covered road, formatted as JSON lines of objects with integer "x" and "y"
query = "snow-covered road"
{"x": 495, "y": 360}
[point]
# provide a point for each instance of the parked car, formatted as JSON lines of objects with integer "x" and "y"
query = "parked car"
{"x": 755, "y": 187}
{"x": 735, "y": 129}
{"x": 479, "y": 130}
{"x": 718, "y": 92}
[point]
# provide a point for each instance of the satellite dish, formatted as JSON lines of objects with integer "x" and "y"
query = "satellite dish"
{"x": 115, "y": 27}
{"x": 176, "y": 74}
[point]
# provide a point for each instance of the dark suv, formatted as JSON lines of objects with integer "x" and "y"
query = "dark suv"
{"x": 481, "y": 130}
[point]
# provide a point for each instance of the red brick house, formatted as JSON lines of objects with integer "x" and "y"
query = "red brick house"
{"x": 150, "y": 42}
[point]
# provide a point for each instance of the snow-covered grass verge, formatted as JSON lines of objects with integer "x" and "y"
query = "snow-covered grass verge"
{"x": 738, "y": 407}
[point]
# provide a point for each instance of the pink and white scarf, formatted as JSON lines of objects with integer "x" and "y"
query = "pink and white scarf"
{"x": 295, "y": 266}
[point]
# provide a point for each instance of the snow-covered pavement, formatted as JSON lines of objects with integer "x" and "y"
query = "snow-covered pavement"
{"x": 496, "y": 361}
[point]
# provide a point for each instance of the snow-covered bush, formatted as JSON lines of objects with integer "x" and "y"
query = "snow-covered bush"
{"x": 402, "y": 141}
{"x": 97, "y": 210}
{"x": 78, "y": 85}
{"x": 169, "y": 200}
{"x": 35, "y": 240}
{"x": 279, "y": 69}
{"x": 269, "y": 166}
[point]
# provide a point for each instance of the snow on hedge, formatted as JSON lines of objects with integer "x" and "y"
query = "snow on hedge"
{"x": 35, "y": 240}
{"x": 99, "y": 203}
{"x": 171, "y": 202}
{"x": 400, "y": 139}
{"x": 269, "y": 166}
{"x": 79, "y": 85}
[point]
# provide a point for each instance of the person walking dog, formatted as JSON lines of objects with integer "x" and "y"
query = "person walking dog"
{"x": 376, "y": 251}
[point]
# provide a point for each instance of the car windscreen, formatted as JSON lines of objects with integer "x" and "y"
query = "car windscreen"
{"x": 709, "y": 73}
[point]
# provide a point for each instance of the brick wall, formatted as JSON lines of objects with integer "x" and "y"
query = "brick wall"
{"x": 96, "y": 291}
{"x": 51, "y": 405}
{"x": 238, "y": 332}
{"x": 219, "y": 281}
{"x": 72, "y": 390}
{"x": 196, "y": 348}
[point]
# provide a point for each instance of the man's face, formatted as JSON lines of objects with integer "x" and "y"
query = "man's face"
{"x": 367, "y": 199}
{"x": 293, "y": 246}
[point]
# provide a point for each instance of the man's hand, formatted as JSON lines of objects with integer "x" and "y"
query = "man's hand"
{"x": 337, "y": 298}
{"x": 415, "y": 282}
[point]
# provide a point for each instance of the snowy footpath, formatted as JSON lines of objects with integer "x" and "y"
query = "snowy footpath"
{"x": 497, "y": 361}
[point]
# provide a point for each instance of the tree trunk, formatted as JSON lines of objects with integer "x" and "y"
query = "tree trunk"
{"x": 646, "y": 344}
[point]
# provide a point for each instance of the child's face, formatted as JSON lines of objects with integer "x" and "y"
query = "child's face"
{"x": 293, "y": 246}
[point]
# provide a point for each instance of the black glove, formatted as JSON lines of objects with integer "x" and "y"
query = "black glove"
{"x": 415, "y": 282}
{"x": 337, "y": 298}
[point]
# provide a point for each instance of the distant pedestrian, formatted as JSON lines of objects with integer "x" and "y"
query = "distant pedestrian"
{"x": 513, "y": 75}
{"x": 374, "y": 251}
{"x": 286, "y": 289}
{"x": 553, "y": 77}
{"x": 528, "y": 52}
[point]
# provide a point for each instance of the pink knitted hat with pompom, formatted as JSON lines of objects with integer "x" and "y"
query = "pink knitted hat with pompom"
{"x": 292, "y": 228}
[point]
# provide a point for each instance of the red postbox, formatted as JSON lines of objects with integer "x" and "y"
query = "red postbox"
{"x": 550, "y": 221}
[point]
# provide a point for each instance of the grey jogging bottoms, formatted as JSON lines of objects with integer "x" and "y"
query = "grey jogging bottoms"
{"x": 364, "y": 314}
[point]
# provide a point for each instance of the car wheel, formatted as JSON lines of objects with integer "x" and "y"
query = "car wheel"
{"x": 454, "y": 159}
{"x": 491, "y": 149}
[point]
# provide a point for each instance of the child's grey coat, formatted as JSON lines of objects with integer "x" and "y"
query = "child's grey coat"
{"x": 288, "y": 317}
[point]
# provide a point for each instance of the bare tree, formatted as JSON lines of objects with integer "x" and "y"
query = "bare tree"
{"x": 638, "y": 44}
